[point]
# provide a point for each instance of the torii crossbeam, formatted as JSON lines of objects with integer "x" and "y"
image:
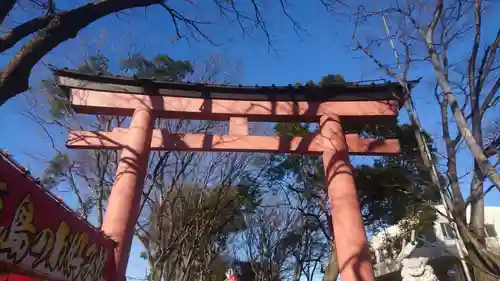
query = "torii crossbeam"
{"x": 145, "y": 100}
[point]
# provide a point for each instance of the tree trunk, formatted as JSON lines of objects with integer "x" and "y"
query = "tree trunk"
{"x": 5, "y": 8}
{"x": 332, "y": 270}
{"x": 480, "y": 274}
{"x": 479, "y": 156}
{"x": 483, "y": 263}
{"x": 297, "y": 270}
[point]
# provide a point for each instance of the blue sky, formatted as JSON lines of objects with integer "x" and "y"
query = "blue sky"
{"x": 326, "y": 49}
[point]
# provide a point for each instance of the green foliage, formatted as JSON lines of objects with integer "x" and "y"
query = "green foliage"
{"x": 162, "y": 67}
{"x": 96, "y": 64}
{"x": 419, "y": 220}
{"x": 248, "y": 195}
{"x": 56, "y": 171}
{"x": 58, "y": 99}
{"x": 223, "y": 206}
{"x": 194, "y": 221}
{"x": 331, "y": 79}
{"x": 86, "y": 206}
{"x": 394, "y": 187}
{"x": 59, "y": 102}
{"x": 292, "y": 129}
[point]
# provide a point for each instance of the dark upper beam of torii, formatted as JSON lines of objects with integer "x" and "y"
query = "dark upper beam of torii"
{"x": 342, "y": 91}
{"x": 95, "y": 94}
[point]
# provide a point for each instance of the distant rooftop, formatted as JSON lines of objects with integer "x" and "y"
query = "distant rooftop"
{"x": 342, "y": 91}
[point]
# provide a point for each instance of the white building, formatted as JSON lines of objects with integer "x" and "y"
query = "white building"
{"x": 441, "y": 248}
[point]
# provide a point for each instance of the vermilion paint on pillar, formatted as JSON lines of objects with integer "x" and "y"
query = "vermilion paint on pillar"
{"x": 350, "y": 238}
{"x": 125, "y": 198}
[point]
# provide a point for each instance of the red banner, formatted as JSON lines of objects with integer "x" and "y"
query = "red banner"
{"x": 41, "y": 237}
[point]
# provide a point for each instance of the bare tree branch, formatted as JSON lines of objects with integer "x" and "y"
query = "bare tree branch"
{"x": 490, "y": 99}
{"x": 14, "y": 78}
{"x": 493, "y": 148}
{"x": 12, "y": 37}
{"x": 449, "y": 22}
{"x": 487, "y": 64}
{"x": 5, "y": 8}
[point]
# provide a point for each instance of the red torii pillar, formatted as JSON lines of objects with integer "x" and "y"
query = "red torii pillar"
{"x": 350, "y": 238}
{"x": 123, "y": 208}
{"x": 125, "y": 198}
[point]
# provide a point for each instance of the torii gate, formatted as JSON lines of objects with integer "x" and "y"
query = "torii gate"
{"x": 146, "y": 100}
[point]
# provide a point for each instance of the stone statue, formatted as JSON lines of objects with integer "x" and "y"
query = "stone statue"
{"x": 417, "y": 269}
{"x": 414, "y": 269}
